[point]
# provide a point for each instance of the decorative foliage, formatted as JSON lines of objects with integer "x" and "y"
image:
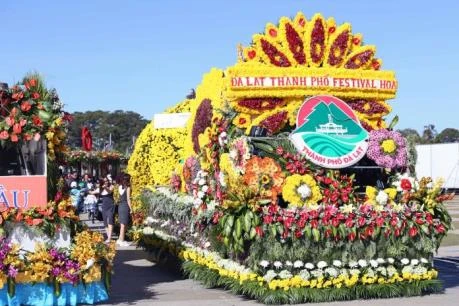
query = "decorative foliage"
{"x": 93, "y": 156}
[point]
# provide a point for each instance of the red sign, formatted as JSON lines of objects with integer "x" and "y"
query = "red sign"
{"x": 23, "y": 191}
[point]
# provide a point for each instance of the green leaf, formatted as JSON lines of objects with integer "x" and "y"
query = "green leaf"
{"x": 316, "y": 234}
{"x": 248, "y": 221}
{"x": 393, "y": 122}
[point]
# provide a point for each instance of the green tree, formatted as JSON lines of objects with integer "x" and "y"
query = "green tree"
{"x": 119, "y": 126}
{"x": 448, "y": 135}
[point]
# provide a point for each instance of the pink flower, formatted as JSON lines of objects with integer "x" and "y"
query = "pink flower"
{"x": 36, "y": 137}
{"x": 4, "y": 135}
{"x": 9, "y": 121}
{"x": 14, "y": 138}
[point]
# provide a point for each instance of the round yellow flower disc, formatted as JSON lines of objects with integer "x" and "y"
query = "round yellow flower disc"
{"x": 389, "y": 146}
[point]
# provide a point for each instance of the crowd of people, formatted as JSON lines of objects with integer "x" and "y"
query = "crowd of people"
{"x": 95, "y": 196}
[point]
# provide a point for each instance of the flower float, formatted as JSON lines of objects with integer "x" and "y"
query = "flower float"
{"x": 251, "y": 210}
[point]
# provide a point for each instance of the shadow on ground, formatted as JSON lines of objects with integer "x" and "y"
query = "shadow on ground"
{"x": 448, "y": 269}
{"x": 135, "y": 277}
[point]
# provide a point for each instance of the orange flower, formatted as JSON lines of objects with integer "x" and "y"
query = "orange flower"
{"x": 264, "y": 176}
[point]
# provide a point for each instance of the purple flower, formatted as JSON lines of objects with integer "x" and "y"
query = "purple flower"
{"x": 56, "y": 271}
{"x": 12, "y": 272}
{"x": 395, "y": 159}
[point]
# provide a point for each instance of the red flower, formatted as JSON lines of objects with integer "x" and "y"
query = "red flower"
{"x": 327, "y": 180}
{"x": 369, "y": 231}
{"x": 440, "y": 229}
{"x": 32, "y": 82}
{"x": 267, "y": 219}
{"x": 298, "y": 233}
{"x": 314, "y": 223}
{"x": 36, "y": 120}
{"x": 259, "y": 231}
{"x": 413, "y": 231}
{"x": 349, "y": 222}
{"x": 14, "y": 138}
{"x": 35, "y": 96}
{"x": 27, "y": 137}
{"x": 397, "y": 232}
{"x": 17, "y": 95}
{"x": 26, "y": 106}
{"x": 17, "y": 128}
{"x": 393, "y": 222}
{"x": 379, "y": 221}
{"x": 4, "y": 135}
{"x": 419, "y": 221}
{"x": 351, "y": 236}
{"x": 361, "y": 221}
{"x": 405, "y": 184}
{"x": 335, "y": 222}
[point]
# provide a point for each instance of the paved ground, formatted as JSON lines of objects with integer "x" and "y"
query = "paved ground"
{"x": 138, "y": 281}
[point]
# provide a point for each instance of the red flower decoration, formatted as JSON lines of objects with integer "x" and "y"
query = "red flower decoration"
{"x": 405, "y": 184}
{"x": 26, "y": 106}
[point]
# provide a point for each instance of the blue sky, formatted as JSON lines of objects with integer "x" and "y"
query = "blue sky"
{"x": 146, "y": 55}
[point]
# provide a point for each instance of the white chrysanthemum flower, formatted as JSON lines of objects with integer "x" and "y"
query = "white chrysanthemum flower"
{"x": 407, "y": 269}
{"x": 331, "y": 271}
{"x": 382, "y": 271}
{"x": 370, "y": 272}
{"x": 424, "y": 261}
{"x": 419, "y": 270}
{"x": 390, "y": 260}
{"x": 380, "y": 260}
{"x": 298, "y": 264}
{"x": 202, "y": 182}
{"x": 405, "y": 261}
{"x": 391, "y": 270}
{"x": 337, "y": 263}
{"x": 304, "y": 191}
{"x": 363, "y": 263}
{"x": 284, "y": 274}
{"x": 278, "y": 264}
{"x": 205, "y": 188}
{"x": 354, "y": 272}
{"x": 264, "y": 263}
{"x": 414, "y": 262}
{"x": 201, "y": 194}
{"x": 304, "y": 274}
{"x": 374, "y": 263}
{"x": 382, "y": 198}
{"x": 309, "y": 266}
{"x": 148, "y": 230}
{"x": 353, "y": 264}
{"x": 269, "y": 276}
{"x": 317, "y": 273}
{"x": 344, "y": 272}
{"x": 288, "y": 263}
{"x": 321, "y": 264}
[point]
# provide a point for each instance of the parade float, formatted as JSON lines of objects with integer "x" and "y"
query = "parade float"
{"x": 47, "y": 257}
{"x": 286, "y": 184}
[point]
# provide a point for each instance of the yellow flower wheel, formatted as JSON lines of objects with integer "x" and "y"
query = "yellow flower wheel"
{"x": 301, "y": 190}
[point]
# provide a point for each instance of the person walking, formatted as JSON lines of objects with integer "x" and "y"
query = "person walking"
{"x": 124, "y": 208}
{"x": 108, "y": 207}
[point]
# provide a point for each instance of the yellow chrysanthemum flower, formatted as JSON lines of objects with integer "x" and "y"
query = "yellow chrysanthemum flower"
{"x": 301, "y": 190}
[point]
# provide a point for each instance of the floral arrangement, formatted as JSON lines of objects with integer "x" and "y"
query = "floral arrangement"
{"x": 387, "y": 149}
{"x": 93, "y": 156}
{"x": 47, "y": 219}
{"x": 247, "y": 211}
{"x": 29, "y": 110}
{"x": 88, "y": 260}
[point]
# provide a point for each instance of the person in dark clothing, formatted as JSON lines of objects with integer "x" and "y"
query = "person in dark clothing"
{"x": 108, "y": 207}
{"x": 124, "y": 208}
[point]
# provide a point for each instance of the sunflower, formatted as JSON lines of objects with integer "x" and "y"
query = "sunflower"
{"x": 300, "y": 190}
